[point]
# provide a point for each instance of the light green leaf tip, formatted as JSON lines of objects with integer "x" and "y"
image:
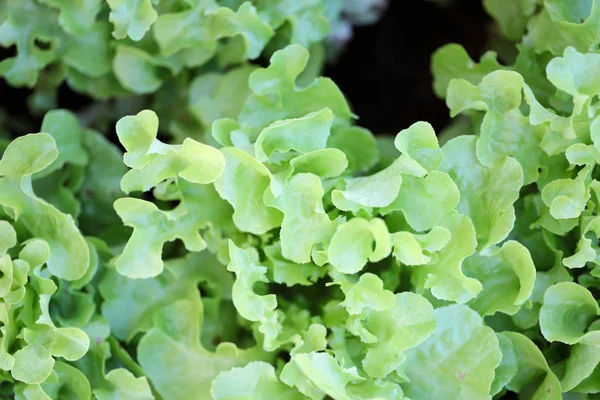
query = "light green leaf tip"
{"x": 131, "y": 18}
{"x": 153, "y": 161}
{"x": 243, "y": 184}
{"x": 358, "y": 241}
{"x": 419, "y": 142}
{"x": 303, "y": 135}
{"x": 575, "y": 73}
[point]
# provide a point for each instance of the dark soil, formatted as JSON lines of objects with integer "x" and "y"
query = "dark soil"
{"x": 384, "y": 72}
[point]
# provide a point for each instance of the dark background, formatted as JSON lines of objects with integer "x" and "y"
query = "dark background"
{"x": 384, "y": 72}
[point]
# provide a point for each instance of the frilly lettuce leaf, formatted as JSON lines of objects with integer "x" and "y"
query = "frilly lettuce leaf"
{"x": 582, "y": 362}
{"x": 124, "y": 383}
{"x": 457, "y": 361}
{"x": 587, "y": 250}
{"x": 245, "y": 264}
{"x": 60, "y": 182}
{"x": 508, "y": 367}
{"x": 191, "y": 35}
{"x": 106, "y": 353}
{"x": 288, "y": 272}
{"x": 276, "y": 250}
{"x": 320, "y": 373}
{"x": 575, "y": 73}
{"x": 255, "y": 380}
{"x": 567, "y": 198}
{"x": 577, "y": 26}
{"x": 313, "y": 340}
{"x": 533, "y": 376}
{"x": 243, "y": 184}
{"x": 366, "y": 293}
{"x": 358, "y": 144}
{"x": 76, "y": 17}
{"x": 487, "y": 193}
{"x": 153, "y": 161}
{"x": 69, "y": 256}
{"x": 64, "y": 127}
{"x": 567, "y": 312}
{"x": 275, "y": 95}
{"x": 192, "y": 166}
{"x": 131, "y": 18}
{"x": 8, "y": 236}
{"x": 302, "y": 135}
{"x": 507, "y": 275}
{"x": 153, "y": 227}
{"x": 425, "y": 202}
{"x": 170, "y": 352}
{"x": 444, "y": 274}
{"x": 64, "y": 378}
{"x": 325, "y": 163}
{"x": 505, "y": 131}
{"x": 29, "y": 331}
{"x": 511, "y": 17}
{"x": 420, "y": 144}
{"x": 26, "y": 22}
{"x": 137, "y": 70}
{"x": 406, "y": 324}
{"x": 141, "y": 297}
{"x": 213, "y": 96}
{"x": 453, "y": 62}
{"x": 411, "y": 249}
{"x": 377, "y": 190}
{"x": 358, "y": 241}
{"x": 305, "y": 223}
{"x": 90, "y": 53}
{"x": 307, "y": 20}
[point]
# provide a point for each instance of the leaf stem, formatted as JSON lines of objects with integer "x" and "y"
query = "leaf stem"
{"x": 118, "y": 351}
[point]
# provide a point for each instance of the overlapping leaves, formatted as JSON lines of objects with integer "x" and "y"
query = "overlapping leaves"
{"x": 464, "y": 271}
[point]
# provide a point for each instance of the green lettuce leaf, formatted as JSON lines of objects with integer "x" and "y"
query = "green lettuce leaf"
{"x": 25, "y": 22}
{"x": 408, "y": 323}
{"x": 358, "y": 241}
{"x": 76, "y": 17}
{"x": 567, "y": 312}
{"x": 170, "y": 352}
{"x": 131, "y": 18}
{"x": 533, "y": 378}
{"x": 244, "y": 263}
{"x": 69, "y": 255}
{"x": 255, "y": 380}
{"x": 508, "y": 277}
{"x": 487, "y": 193}
{"x": 457, "y": 361}
{"x": 444, "y": 274}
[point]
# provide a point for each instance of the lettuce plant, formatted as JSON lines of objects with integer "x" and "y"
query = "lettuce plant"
{"x": 272, "y": 248}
